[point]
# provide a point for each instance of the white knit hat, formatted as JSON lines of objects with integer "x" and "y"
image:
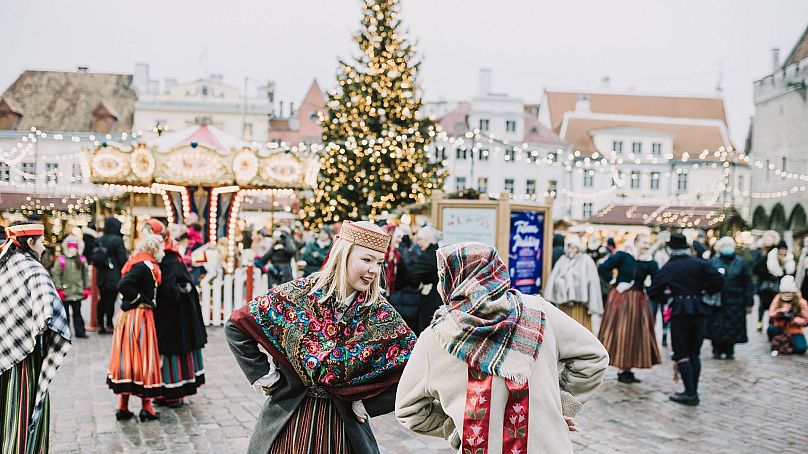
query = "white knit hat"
{"x": 574, "y": 241}
{"x": 788, "y": 284}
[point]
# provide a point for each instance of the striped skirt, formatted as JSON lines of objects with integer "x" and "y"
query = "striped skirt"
{"x": 18, "y": 388}
{"x": 134, "y": 367}
{"x": 627, "y": 331}
{"x": 315, "y": 428}
{"x": 182, "y": 374}
{"x": 579, "y": 312}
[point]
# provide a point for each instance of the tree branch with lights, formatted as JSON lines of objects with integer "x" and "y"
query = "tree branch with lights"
{"x": 375, "y": 156}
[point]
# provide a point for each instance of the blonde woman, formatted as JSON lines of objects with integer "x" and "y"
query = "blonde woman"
{"x": 337, "y": 351}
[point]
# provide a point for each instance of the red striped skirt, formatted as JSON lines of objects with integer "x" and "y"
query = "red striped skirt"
{"x": 315, "y": 428}
{"x": 134, "y": 367}
{"x": 627, "y": 331}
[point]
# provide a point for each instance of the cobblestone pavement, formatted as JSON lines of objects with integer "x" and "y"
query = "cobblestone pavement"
{"x": 753, "y": 404}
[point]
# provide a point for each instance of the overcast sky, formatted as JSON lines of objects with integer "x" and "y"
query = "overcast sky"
{"x": 661, "y": 46}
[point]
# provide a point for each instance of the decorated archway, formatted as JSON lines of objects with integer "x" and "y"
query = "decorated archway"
{"x": 202, "y": 170}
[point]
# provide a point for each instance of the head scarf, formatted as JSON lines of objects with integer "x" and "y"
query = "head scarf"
{"x": 484, "y": 322}
{"x": 145, "y": 252}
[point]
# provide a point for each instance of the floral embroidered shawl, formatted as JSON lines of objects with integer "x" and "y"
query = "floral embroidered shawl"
{"x": 369, "y": 344}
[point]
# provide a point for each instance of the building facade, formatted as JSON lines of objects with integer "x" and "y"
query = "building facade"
{"x": 644, "y": 149}
{"x": 494, "y": 143}
{"x": 778, "y": 144}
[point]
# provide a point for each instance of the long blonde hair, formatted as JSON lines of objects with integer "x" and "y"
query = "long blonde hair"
{"x": 332, "y": 279}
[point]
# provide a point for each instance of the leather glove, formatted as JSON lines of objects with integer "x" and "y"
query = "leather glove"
{"x": 86, "y": 293}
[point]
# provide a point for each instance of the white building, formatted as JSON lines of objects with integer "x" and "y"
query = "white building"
{"x": 778, "y": 145}
{"x": 495, "y": 144}
{"x": 208, "y": 101}
{"x": 642, "y": 149}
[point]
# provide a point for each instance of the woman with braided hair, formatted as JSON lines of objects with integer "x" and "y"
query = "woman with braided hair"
{"x": 35, "y": 339}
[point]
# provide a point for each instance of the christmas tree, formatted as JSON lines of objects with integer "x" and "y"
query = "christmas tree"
{"x": 374, "y": 159}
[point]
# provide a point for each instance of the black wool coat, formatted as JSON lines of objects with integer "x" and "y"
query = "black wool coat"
{"x": 178, "y": 316}
{"x": 728, "y": 322}
{"x": 686, "y": 277}
{"x": 137, "y": 287}
{"x": 107, "y": 279}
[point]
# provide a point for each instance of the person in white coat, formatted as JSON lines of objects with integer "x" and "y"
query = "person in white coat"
{"x": 497, "y": 371}
{"x": 574, "y": 284}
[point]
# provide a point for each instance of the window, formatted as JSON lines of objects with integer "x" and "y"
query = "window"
{"x": 783, "y": 167}
{"x": 654, "y": 180}
{"x": 204, "y": 90}
{"x": 440, "y": 153}
{"x": 530, "y": 187}
{"x": 740, "y": 183}
{"x": 482, "y": 184}
{"x": 460, "y": 183}
{"x": 681, "y": 183}
{"x": 76, "y": 174}
{"x": 29, "y": 172}
{"x": 509, "y": 185}
{"x": 589, "y": 179}
{"x": 617, "y": 146}
{"x": 5, "y": 173}
{"x": 460, "y": 153}
{"x": 587, "y": 211}
{"x": 483, "y": 155}
{"x": 510, "y": 153}
{"x": 656, "y": 149}
{"x": 483, "y": 124}
{"x": 552, "y": 187}
{"x": 636, "y": 147}
{"x": 635, "y": 179}
{"x": 52, "y": 173}
{"x": 510, "y": 126}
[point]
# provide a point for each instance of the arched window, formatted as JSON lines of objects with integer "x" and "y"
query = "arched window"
{"x": 778, "y": 218}
{"x": 759, "y": 219}
{"x": 798, "y": 221}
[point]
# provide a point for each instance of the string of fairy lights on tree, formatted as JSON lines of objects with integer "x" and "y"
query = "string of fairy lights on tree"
{"x": 375, "y": 158}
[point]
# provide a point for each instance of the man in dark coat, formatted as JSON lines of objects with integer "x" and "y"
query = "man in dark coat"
{"x": 684, "y": 279}
{"x": 279, "y": 257}
{"x": 558, "y": 247}
{"x": 108, "y": 256}
{"x": 423, "y": 273}
{"x": 88, "y": 235}
{"x": 727, "y": 325}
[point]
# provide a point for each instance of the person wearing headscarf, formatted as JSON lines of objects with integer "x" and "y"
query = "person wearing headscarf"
{"x": 72, "y": 280}
{"x": 627, "y": 330}
{"x": 574, "y": 284}
{"x": 498, "y": 370}
{"x": 34, "y": 342}
{"x": 181, "y": 333}
{"x": 337, "y": 350}
{"x": 789, "y": 316}
{"x": 727, "y": 324}
{"x": 134, "y": 366}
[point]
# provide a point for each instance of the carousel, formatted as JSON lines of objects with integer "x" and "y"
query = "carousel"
{"x": 204, "y": 171}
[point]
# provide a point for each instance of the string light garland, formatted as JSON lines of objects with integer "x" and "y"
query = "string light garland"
{"x": 375, "y": 156}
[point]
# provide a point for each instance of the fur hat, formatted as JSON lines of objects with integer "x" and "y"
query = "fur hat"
{"x": 574, "y": 241}
{"x": 788, "y": 284}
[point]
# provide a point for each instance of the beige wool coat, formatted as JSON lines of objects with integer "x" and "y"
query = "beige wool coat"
{"x": 431, "y": 395}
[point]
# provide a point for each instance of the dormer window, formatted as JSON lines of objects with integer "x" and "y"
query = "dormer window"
{"x": 204, "y": 90}
{"x": 104, "y": 119}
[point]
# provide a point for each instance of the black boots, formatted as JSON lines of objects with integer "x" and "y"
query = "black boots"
{"x": 627, "y": 377}
{"x": 689, "y": 370}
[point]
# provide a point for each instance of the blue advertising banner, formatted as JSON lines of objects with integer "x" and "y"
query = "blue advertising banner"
{"x": 525, "y": 251}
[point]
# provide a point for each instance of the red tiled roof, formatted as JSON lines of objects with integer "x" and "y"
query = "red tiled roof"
{"x": 800, "y": 50}
{"x": 537, "y": 132}
{"x": 456, "y": 121}
{"x": 308, "y": 127}
{"x": 658, "y": 106}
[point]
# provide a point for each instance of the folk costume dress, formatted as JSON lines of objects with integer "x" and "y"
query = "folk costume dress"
{"x": 497, "y": 371}
{"x": 627, "y": 329}
{"x": 574, "y": 287}
{"x": 134, "y": 367}
{"x": 35, "y": 340}
{"x": 181, "y": 334}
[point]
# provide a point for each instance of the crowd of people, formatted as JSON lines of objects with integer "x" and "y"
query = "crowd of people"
{"x": 364, "y": 319}
{"x": 701, "y": 291}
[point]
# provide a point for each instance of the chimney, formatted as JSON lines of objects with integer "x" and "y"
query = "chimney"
{"x": 269, "y": 90}
{"x": 280, "y": 110}
{"x": 291, "y": 109}
{"x": 605, "y": 82}
{"x": 484, "y": 86}
{"x": 582, "y": 104}
{"x": 775, "y": 58}
{"x": 82, "y": 69}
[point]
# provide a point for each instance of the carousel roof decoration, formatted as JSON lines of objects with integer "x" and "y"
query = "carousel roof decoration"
{"x": 668, "y": 216}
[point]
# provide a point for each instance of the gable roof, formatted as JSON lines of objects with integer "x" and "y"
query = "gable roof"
{"x": 305, "y": 128}
{"x": 560, "y": 103}
{"x": 65, "y": 101}
{"x": 800, "y": 50}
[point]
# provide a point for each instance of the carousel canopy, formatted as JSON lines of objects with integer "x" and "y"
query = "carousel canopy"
{"x": 201, "y": 155}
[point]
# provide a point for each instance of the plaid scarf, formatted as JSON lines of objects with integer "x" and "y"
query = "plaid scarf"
{"x": 484, "y": 322}
{"x": 30, "y": 308}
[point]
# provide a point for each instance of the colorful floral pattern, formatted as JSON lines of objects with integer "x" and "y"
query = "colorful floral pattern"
{"x": 367, "y": 341}
{"x": 476, "y": 420}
